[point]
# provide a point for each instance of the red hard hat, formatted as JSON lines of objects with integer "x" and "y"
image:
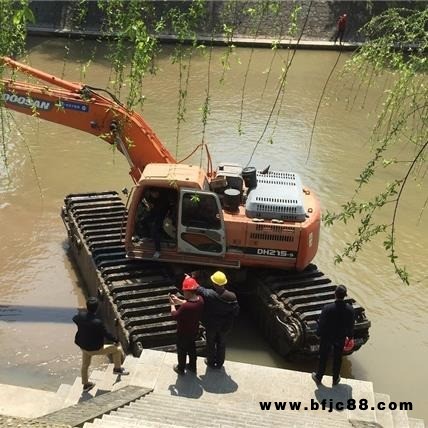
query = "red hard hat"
{"x": 349, "y": 345}
{"x": 189, "y": 284}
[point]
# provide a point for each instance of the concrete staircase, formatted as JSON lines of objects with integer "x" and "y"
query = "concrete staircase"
{"x": 215, "y": 398}
{"x": 105, "y": 381}
{"x": 231, "y": 398}
{"x": 159, "y": 410}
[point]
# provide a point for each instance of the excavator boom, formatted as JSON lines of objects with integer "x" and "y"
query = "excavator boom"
{"x": 81, "y": 107}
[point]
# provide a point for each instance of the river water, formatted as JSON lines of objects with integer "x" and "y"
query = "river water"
{"x": 40, "y": 290}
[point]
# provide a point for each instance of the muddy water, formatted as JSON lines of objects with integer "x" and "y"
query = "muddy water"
{"x": 39, "y": 288}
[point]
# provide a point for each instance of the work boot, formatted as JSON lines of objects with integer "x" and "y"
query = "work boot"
{"x": 178, "y": 370}
{"x": 88, "y": 386}
{"x": 315, "y": 378}
{"x": 211, "y": 366}
{"x": 121, "y": 371}
{"x": 191, "y": 368}
{"x": 336, "y": 381}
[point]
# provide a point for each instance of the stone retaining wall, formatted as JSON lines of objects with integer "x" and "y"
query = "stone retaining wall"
{"x": 321, "y": 23}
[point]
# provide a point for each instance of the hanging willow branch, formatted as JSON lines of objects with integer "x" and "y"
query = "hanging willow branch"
{"x": 282, "y": 83}
{"x": 134, "y": 44}
{"x": 292, "y": 31}
{"x": 184, "y": 24}
{"x": 391, "y": 240}
{"x": 276, "y": 9}
{"x": 14, "y": 17}
{"x": 314, "y": 123}
{"x": 206, "y": 105}
{"x": 259, "y": 11}
{"x": 397, "y": 43}
{"x": 230, "y": 19}
{"x": 4, "y": 155}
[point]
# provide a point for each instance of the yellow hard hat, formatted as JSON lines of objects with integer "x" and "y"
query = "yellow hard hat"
{"x": 219, "y": 278}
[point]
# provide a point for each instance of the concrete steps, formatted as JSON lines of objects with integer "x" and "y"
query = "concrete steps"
{"x": 123, "y": 424}
{"x": 113, "y": 382}
{"x": 173, "y": 411}
{"x": 231, "y": 398}
{"x": 63, "y": 391}
{"x": 416, "y": 423}
{"x": 108, "y": 381}
{"x": 129, "y": 364}
{"x": 384, "y": 417}
{"x": 74, "y": 393}
{"x": 22, "y": 402}
{"x": 394, "y": 418}
{"x": 170, "y": 408}
{"x": 214, "y": 398}
{"x": 400, "y": 419}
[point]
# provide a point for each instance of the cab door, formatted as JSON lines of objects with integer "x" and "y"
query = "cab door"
{"x": 200, "y": 224}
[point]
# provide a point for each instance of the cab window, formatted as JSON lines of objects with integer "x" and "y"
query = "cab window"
{"x": 200, "y": 210}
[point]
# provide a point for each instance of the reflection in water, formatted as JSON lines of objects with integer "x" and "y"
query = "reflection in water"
{"x": 41, "y": 287}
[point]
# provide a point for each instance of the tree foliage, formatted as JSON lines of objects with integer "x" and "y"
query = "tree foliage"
{"x": 14, "y": 17}
{"x": 397, "y": 44}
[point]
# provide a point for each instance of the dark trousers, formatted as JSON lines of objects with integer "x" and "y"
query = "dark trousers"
{"x": 155, "y": 220}
{"x": 186, "y": 347}
{"x": 216, "y": 346}
{"x": 339, "y": 35}
{"x": 326, "y": 346}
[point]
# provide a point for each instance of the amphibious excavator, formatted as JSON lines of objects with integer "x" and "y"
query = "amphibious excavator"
{"x": 261, "y": 227}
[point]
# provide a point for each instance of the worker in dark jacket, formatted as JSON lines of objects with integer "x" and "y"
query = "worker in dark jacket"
{"x": 220, "y": 308}
{"x": 187, "y": 316}
{"x": 158, "y": 201}
{"x": 90, "y": 336}
{"x": 335, "y": 324}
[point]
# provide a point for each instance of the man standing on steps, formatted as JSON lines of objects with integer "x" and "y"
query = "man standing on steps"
{"x": 335, "y": 324}
{"x": 187, "y": 316}
{"x": 90, "y": 336}
{"x": 221, "y": 307}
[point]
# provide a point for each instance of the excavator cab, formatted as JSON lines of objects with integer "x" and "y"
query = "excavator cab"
{"x": 185, "y": 221}
{"x": 181, "y": 213}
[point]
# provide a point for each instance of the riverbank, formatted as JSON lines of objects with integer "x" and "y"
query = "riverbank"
{"x": 306, "y": 19}
{"x": 257, "y": 42}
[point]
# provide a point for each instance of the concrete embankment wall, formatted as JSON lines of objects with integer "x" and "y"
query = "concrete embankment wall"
{"x": 320, "y": 25}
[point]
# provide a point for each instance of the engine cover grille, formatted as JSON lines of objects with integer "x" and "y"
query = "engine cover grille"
{"x": 278, "y": 195}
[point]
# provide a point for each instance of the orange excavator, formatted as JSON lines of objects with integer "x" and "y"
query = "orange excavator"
{"x": 233, "y": 217}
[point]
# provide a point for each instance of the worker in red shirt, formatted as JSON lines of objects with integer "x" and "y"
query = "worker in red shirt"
{"x": 187, "y": 316}
{"x": 341, "y": 27}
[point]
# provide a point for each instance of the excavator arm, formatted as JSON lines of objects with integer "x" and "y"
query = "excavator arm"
{"x": 81, "y": 107}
